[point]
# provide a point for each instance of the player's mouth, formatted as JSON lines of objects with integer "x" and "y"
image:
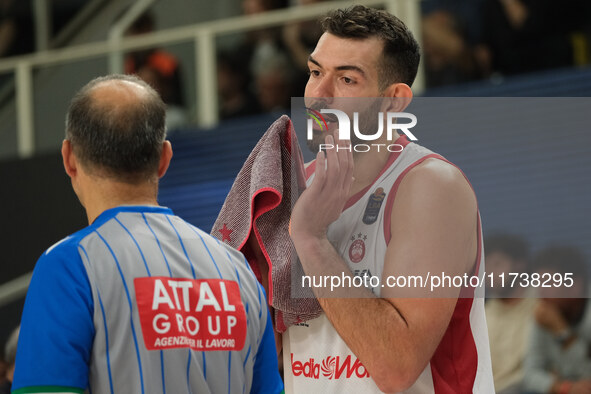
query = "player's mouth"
{"x": 330, "y": 122}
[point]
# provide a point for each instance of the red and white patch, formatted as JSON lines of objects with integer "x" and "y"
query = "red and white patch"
{"x": 357, "y": 251}
{"x": 201, "y": 314}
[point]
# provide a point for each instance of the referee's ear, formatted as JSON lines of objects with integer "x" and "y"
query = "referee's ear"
{"x": 70, "y": 164}
{"x": 165, "y": 158}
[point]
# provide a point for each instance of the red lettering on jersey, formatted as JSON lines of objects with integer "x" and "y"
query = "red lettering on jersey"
{"x": 201, "y": 314}
{"x": 332, "y": 368}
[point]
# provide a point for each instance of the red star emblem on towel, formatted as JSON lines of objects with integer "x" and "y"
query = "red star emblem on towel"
{"x": 225, "y": 233}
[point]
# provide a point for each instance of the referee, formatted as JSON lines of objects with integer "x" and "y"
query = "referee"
{"x": 139, "y": 301}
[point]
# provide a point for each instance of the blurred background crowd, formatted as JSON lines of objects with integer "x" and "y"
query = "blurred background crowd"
{"x": 463, "y": 41}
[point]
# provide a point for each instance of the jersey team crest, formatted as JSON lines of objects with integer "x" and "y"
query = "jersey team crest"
{"x": 357, "y": 248}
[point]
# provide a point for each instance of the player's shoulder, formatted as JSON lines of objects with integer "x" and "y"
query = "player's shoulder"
{"x": 435, "y": 173}
{"x": 437, "y": 184}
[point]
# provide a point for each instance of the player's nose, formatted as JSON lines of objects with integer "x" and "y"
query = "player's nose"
{"x": 321, "y": 87}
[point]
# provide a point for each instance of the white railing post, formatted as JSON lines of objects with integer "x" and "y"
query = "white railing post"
{"x": 24, "y": 110}
{"x": 14, "y": 289}
{"x": 43, "y": 25}
{"x": 116, "y": 57}
{"x": 118, "y": 30}
{"x": 207, "y": 93}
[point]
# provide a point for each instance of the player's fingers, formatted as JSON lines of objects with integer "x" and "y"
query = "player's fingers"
{"x": 343, "y": 159}
{"x": 319, "y": 173}
{"x": 332, "y": 164}
{"x": 349, "y": 168}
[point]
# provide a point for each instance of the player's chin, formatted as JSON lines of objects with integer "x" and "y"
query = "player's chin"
{"x": 315, "y": 142}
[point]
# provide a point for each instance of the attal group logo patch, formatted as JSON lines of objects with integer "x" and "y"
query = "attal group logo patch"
{"x": 201, "y": 314}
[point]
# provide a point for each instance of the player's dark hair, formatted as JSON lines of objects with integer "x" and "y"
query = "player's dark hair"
{"x": 121, "y": 141}
{"x": 400, "y": 56}
{"x": 510, "y": 245}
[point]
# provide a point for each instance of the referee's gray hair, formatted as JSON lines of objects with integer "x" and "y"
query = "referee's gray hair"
{"x": 10, "y": 349}
{"x": 124, "y": 141}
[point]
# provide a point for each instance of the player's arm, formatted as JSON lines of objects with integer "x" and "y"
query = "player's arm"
{"x": 433, "y": 225}
{"x": 57, "y": 327}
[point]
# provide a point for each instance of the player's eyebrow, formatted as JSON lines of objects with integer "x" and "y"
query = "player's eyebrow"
{"x": 339, "y": 68}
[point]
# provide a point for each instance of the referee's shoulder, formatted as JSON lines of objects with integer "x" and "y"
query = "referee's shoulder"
{"x": 68, "y": 243}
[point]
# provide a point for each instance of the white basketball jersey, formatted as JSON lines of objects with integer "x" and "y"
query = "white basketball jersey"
{"x": 317, "y": 360}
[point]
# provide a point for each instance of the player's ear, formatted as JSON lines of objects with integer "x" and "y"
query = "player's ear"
{"x": 165, "y": 158}
{"x": 401, "y": 96}
{"x": 70, "y": 163}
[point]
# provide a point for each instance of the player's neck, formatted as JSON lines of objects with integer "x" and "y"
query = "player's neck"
{"x": 110, "y": 194}
{"x": 368, "y": 166}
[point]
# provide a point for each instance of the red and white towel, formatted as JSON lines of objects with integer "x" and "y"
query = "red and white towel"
{"x": 260, "y": 201}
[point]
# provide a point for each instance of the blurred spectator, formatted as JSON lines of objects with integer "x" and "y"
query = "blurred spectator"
{"x": 3, "y": 380}
{"x": 300, "y": 39}
{"x": 235, "y": 97}
{"x": 465, "y": 12}
{"x": 252, "y": 7}
{"x": 7, "y": 27}
{"x": 509, "y": 312}
{"x": 161, "y": 70}
{"x": 528, "y": 35}
{"x": 16, "y": 29}
{"x": 449, "y": 58}
{"x": 274, "y": 84}
{"x": 266, "y": 57}
{"x": 263, "y": 44}
{"x": 9, "y": 355}
{"x": 559, "y": 359}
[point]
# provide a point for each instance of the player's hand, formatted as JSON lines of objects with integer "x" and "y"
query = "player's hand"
{"x": 322, "y": 202}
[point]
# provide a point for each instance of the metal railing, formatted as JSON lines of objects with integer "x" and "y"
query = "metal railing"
{"x": 203, "y": 35}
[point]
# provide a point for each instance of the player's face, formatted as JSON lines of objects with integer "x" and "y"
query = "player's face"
{"x": 342, "y": 67}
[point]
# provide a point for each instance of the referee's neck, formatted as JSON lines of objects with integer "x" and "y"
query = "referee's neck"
{"x": 104, "y": 194}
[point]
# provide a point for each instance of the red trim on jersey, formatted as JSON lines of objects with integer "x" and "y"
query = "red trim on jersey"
{"x": 455, "y": 361}
{"x": 401, "y": 140}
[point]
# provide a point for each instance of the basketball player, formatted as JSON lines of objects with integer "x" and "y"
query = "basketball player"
{"x": 139, "y": 301}
{"x": 383, "y": 213}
